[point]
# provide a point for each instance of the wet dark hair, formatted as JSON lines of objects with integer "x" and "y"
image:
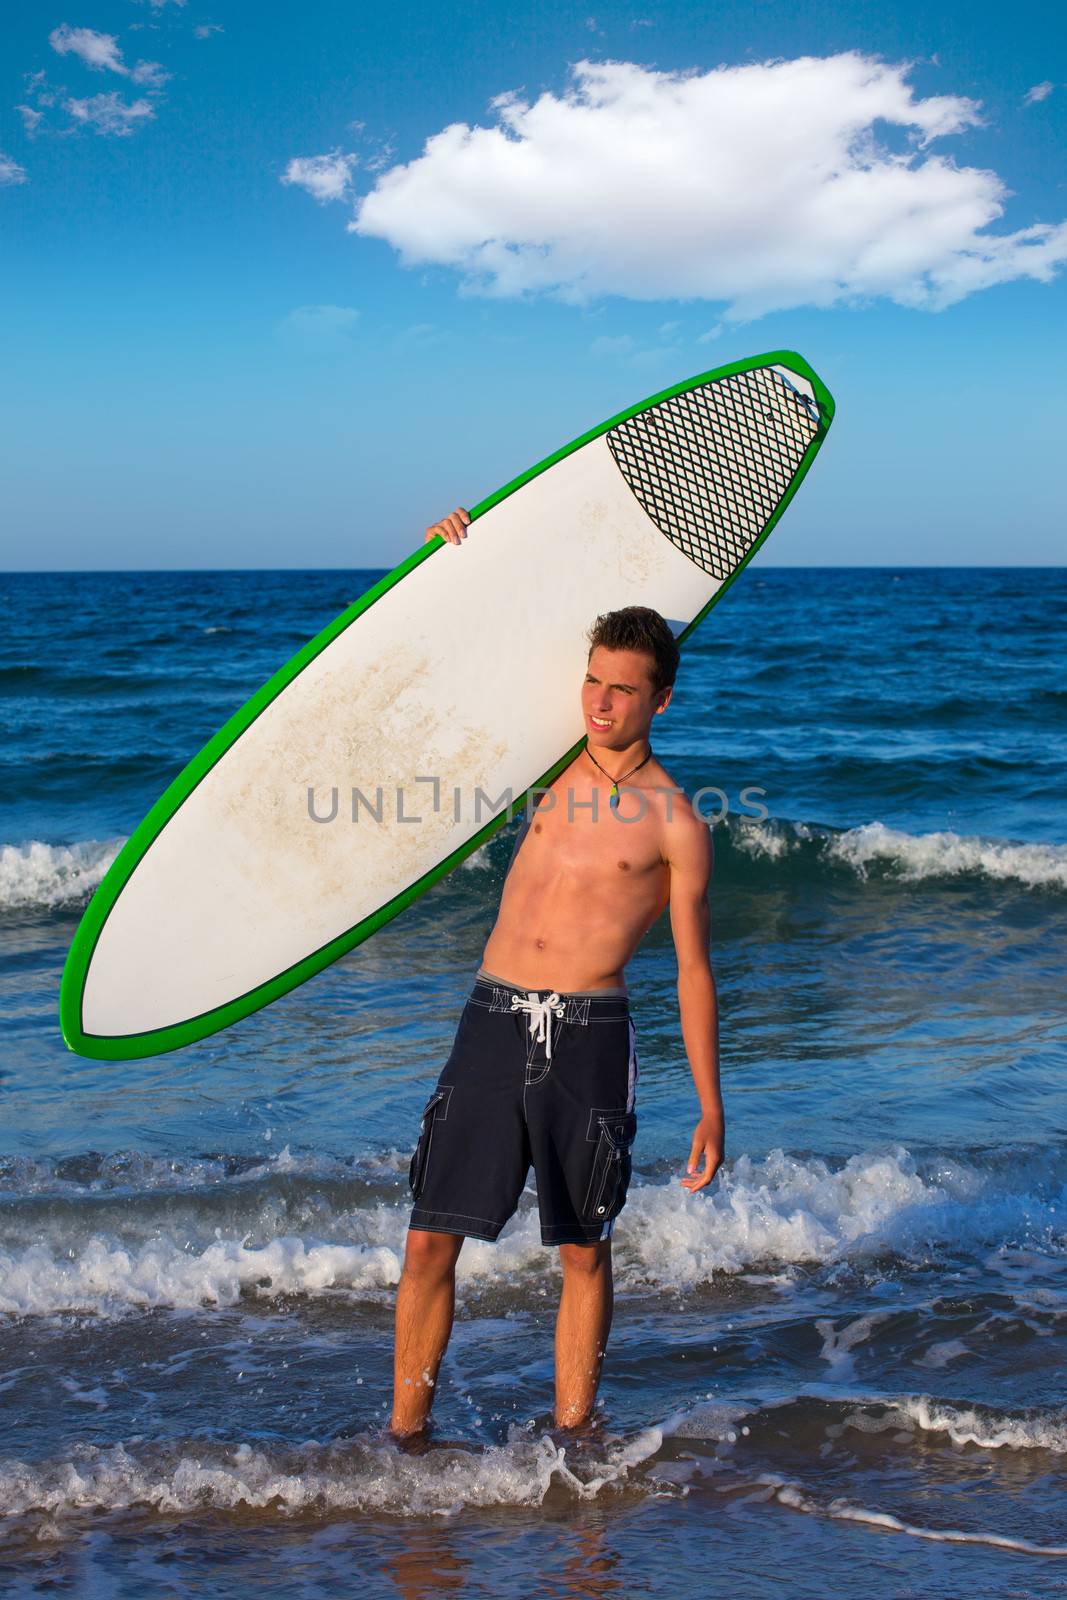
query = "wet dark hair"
{"x": 639, "y": 628}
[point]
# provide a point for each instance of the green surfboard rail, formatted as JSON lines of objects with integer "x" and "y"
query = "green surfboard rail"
{"x": 136, "y": 1046}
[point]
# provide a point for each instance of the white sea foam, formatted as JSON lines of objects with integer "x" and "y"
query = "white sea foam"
{"x": 1036, "y": 1428}
{"x": 363, "y": 1476}
{"x": 786, "y": 1210}
{"x": 720, "y": 1421}
{"x": 910, "y": 857}
{"x": 135, "y": 1173}
{"x": 839, "y": 1343}
{"x": 991, "y": 1430}
{"x": 790, "y": 1494}
{"x": 128, "y": 1171}
{"x": 478, "y": 859}
{"x": 768, "y": 841}
{"x": 940, "y": 1355}
{"x": 936, "y": 855}
{"x": 50, "y": 875}
{"x": 105, "y": 1276}
{"x": 213, "y": 1245}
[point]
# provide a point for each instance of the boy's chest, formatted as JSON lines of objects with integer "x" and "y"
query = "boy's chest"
{"x": 581, "y": 833}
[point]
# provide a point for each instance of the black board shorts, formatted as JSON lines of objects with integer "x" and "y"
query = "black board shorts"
{"x": 534, "y": 1077}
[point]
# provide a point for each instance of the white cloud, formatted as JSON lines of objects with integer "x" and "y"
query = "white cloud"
{"x": 98, "y": 50}
{"x": 11, "y": 172}
{"x": 30, "y": 118}
{"x": 1040, "y": 91}
{"x": 324, "y": 177}
{"x": 759, "y": 187}
{"x": 101, "y": 52}
{"x": 110, "y": 114}
{"x": 204, "y": 30}
{"x": 38, "y": 88}
{"x": 319, "y": 328}
{"x": 380, "y": 159}
{"x": 150, "y": 74}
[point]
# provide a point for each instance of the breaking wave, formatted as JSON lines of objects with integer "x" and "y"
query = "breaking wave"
{"x": 209, "y": 1233}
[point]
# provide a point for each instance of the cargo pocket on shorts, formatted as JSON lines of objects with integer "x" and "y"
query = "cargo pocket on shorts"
{"x": 436, "y": 1108}
{"x": 612, "y": 1165}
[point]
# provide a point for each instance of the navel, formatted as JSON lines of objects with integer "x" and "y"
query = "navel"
{"x": 624, "y": 866}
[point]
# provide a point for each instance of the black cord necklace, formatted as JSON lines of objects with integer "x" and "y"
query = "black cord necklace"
{"x": 613, "y": 798}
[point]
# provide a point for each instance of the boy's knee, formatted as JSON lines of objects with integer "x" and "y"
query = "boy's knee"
{"x": 431, "y": 1255}
{"x": 585, "y": 1258}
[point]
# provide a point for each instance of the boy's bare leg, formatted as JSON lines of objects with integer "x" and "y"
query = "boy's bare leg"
{"x": 425, "y": 1303}
{"x": 582, "y": 1328}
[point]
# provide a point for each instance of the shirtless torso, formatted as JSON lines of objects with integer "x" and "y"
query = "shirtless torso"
{"x": 585, "y": 885}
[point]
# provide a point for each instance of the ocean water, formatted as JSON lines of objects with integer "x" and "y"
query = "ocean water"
{"x": 850, "y": 1349}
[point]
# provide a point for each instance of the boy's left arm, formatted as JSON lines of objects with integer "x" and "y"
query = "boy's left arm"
{"x": 690, "y": 857}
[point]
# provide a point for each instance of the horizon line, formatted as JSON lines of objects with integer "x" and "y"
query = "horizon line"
{"x": 833, "y": 566}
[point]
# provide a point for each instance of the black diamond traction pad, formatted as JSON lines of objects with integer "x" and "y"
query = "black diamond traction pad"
{"x": 710, "y": 466}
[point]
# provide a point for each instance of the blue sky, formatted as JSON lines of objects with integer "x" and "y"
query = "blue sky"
{"x": 252, "y": 318}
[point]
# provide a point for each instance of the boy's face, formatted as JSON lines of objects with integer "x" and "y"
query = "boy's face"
{"x": 618, "y": 700}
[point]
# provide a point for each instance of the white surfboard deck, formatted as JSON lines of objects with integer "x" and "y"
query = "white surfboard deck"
{"x": 467, "y": 671}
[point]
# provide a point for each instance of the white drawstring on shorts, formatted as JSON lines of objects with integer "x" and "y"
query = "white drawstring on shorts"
{"x": 540, "y": 1013}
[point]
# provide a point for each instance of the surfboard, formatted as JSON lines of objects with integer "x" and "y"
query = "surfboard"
{"x": 405, "y": 734}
